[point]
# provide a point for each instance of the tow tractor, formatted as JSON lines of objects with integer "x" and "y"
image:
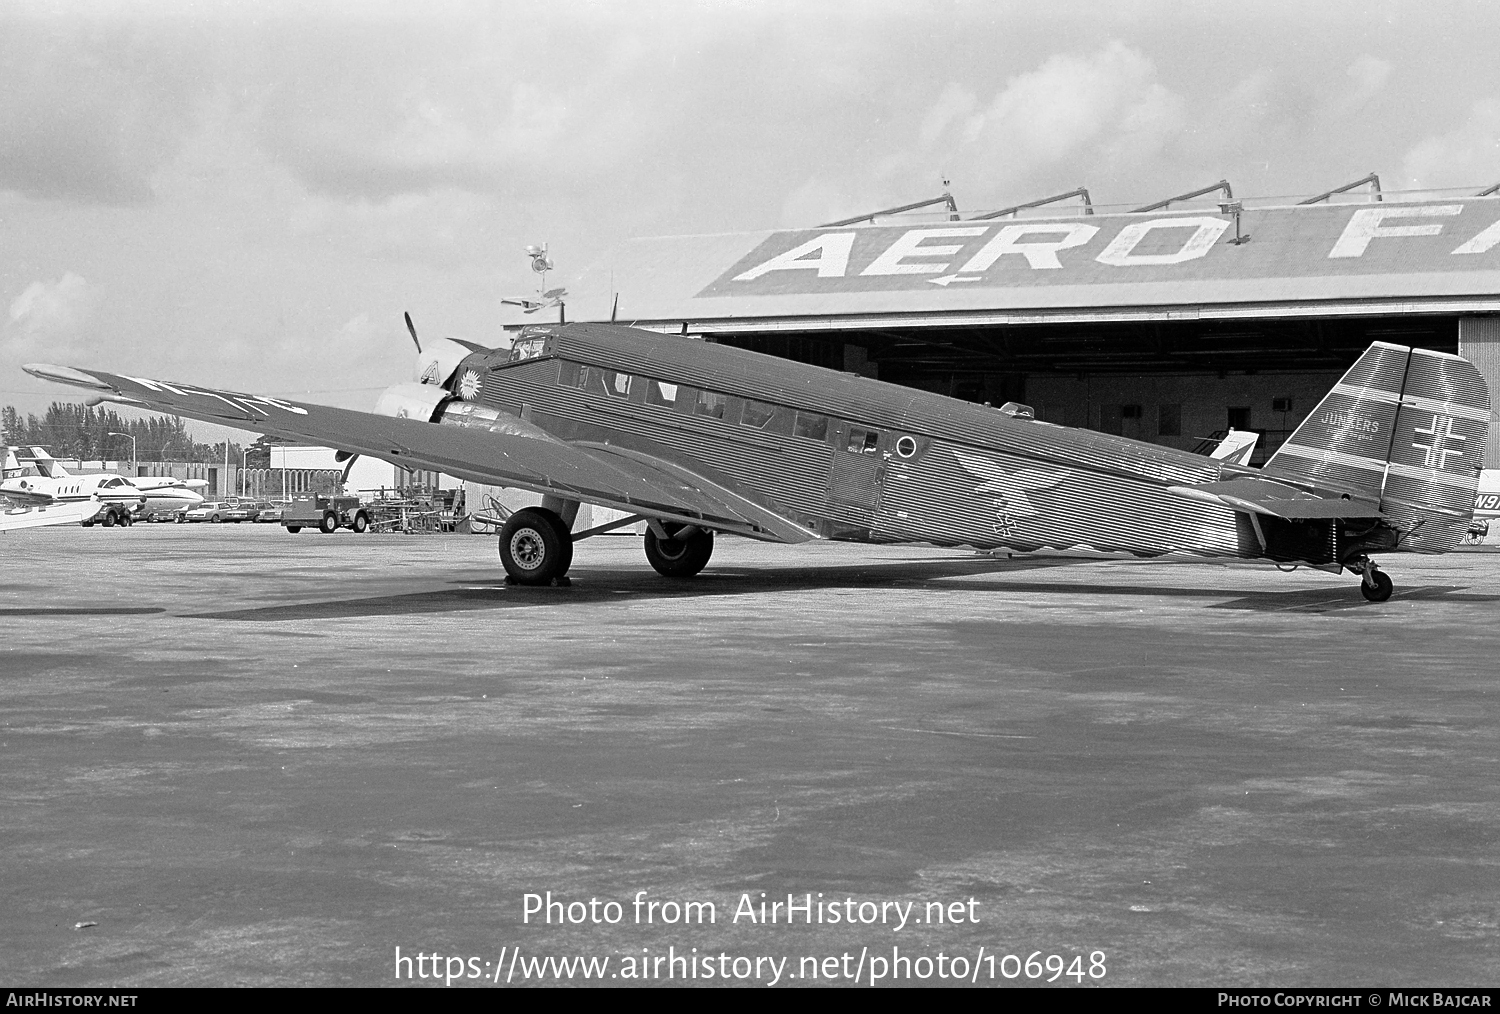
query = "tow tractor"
{"x": 326, "y": 513}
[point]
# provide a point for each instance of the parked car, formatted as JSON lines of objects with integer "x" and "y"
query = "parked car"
{"x": 219, "y": 512}
{"x": 271, "y": 511}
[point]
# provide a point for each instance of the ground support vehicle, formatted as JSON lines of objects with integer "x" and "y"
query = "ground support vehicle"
{"x": 326, "y": 513}
{"x": 109, "y": 515}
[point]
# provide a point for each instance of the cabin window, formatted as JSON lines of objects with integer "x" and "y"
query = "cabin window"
{"x": 527, "y": 348}
{"x": 862, "y": 441}
{"x": 570, "y": 374}
{"x": 757, "y": 414}
{"x": 617, "y": 384}
{"x": 659, "y": 392}
{"x": 710, "y": 404}
{"x": 811, "y": 426}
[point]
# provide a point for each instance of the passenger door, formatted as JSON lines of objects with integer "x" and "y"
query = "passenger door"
{"x": 857, "y": 474}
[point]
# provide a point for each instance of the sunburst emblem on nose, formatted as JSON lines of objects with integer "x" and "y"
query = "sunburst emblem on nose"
{"x": 468, "y": 385}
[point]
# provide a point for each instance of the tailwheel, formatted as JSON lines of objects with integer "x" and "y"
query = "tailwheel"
{"x": 680, "y": 555}
{"x": 1375, "y": 585}
{"x": 535, "y": 547}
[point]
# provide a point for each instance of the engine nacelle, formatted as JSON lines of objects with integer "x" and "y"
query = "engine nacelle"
{"x": 438, "y": 361}
{"x": 413, "y": 401}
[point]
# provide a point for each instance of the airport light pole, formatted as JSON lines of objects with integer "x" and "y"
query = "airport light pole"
{"x": 134, "y": 461}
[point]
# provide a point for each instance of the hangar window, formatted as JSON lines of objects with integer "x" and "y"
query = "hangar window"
{"x": 710, "y": 404}
{"x": 570, "y": 374}
{"x": 1169, "y": 420}
{"x": 757, "y": 414}
{"x": 1239, "y": 417}
{"x": 813, "y": 427}
{"x": 863, "y": 441}
{"x": 659, "y": 392}
{"x": 617, "y": 384}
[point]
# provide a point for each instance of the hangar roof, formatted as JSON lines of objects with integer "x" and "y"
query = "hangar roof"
{"x": 1380, "y": 258}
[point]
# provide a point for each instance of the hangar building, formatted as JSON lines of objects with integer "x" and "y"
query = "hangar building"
{"x": 1168, "y": 323}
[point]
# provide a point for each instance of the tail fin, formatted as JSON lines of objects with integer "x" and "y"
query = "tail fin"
{"x": 47, "y": 465}
{"x": 1406, "y": 427}
{"x": 1236, "y": 447}
{"x": 12, "y": 466}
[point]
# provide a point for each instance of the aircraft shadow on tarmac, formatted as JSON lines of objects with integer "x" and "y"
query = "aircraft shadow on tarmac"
{"x": 945, "y": 574}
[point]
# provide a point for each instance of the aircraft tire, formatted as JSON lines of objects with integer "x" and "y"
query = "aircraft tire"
{"x": 361, "y": 522}
{"x": 88, "y": 523}
{"x": 294, "y": 529}
{"x": 679, "y": 557}
{"x": 329, "y": 524}
{"x": 1382, "y": 590}
{"x": 564, "y": 536}
{"x": 534, "y": 548}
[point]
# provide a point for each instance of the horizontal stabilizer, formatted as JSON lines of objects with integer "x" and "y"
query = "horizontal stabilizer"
{"x": 1277, "y": 499}
{"x": 1236, "y": 447}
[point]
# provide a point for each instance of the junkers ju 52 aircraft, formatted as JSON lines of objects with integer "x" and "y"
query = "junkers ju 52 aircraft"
{"x": 699, "y": 438}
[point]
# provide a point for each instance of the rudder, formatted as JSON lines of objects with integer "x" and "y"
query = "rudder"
{"x": 1406, "y": 427}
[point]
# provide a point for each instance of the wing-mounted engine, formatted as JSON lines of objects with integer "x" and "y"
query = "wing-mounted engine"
{"x": 422, "y": 402}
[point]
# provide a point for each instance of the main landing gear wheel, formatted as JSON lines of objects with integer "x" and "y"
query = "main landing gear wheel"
{"x": 679, "y": 557}
{"x": 329, "y": 524}
{"x": 1375, "y": 585}
{"x": 535, "y": 547}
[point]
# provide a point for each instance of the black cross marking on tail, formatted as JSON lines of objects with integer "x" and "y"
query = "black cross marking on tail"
{"x": 1439, "y": 447}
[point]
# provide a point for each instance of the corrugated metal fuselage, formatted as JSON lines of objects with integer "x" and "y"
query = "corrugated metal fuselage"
{"x": 853, "y": 458}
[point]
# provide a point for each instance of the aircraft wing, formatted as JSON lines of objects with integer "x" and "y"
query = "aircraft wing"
{"x": 68, "y": 513}
{"x": 28, "y": 498}
{"x": 523, "y": 456}
{"x": 1277, "y": 499}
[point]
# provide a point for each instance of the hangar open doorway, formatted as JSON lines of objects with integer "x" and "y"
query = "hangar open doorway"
{"x": 1174, "y": 382}
{"x": 1168, "y": 325}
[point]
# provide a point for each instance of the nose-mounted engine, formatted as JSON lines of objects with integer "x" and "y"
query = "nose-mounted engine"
{"x": 432, "y": 398}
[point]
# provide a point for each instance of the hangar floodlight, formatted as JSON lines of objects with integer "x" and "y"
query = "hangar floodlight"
{"x": 1088, "y": 206}
{"x": 1371, "y": 179}
{"x": 945, "y": 199}
{"x": 1487, "y": 191}
{"x": 1221, "y": 185}
{"x": 1234, "y": 208}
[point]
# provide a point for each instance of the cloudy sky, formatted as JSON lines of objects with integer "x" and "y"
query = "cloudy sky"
{"x": 248, "y": 194}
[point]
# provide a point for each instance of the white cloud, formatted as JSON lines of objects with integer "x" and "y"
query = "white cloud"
{"x": 1105, "y": 109}
{"x": 58, "y": 306}
{"x": 1070, "y": 102}
{"x": 1367, "y": 78}
{"x": 1468, "y": 155}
